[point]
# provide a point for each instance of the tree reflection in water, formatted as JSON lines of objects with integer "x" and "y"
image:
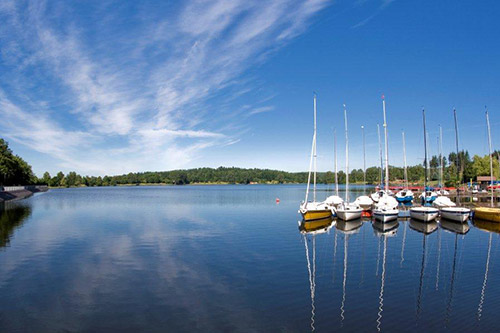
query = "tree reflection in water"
{"x": 12, "y": 216}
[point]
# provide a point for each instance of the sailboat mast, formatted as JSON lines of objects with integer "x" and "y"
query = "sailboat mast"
{"x": 491, "y": 154}
{"x": 386, "y": 186}
{"x": 440, "y": 156}
{"x": 335, "y": 154}
{"x": 404, "y": 160}
{"x": 381, "y": 161}
{"x": 364, "y": 156}
{"x": 311, "y": 162}
{"x": 314, "y": 185}
{"x": 425, "y": 150}
{"x": 456, "y": 158}
{"x": 346, "y": 158}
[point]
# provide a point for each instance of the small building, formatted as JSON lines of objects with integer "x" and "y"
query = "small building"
{"x": 485, "y": 181}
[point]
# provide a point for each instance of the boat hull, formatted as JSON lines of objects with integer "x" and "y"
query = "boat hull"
{"x": 487, "y": 214}
{"x": 312, "y": 215}
{"x": 348, "y": 215}
{"x": 427, "y": 215}
{"x": 385, "y": 216}
{"x": 457, "y": 215}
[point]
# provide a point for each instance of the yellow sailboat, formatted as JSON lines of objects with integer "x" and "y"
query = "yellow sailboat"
{"x": 491, "y": 214}
{"x": 487, "y": 214}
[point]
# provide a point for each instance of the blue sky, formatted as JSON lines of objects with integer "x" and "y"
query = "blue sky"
{"x": 109, "y": 87}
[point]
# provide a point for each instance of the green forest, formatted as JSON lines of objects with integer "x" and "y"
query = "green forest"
{"x": 15, "y": 171}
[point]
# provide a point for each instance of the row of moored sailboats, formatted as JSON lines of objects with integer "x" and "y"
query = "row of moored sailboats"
{"x": 383, "y": 204}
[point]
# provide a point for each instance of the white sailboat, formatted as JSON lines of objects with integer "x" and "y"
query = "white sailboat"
{"x": 424, "y": 213}
{"x": 348, "y": 211}
{"x": 405, "y": 195}
{"x": 386, "y": 209}
{"x": 313, "y": 210}
{"x": 364, "y": 201}
{"x": 334, "y": 200}
{"x": 447, "y": 207}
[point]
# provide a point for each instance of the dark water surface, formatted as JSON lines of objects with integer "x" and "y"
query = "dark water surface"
{"x": 228, "y": 258}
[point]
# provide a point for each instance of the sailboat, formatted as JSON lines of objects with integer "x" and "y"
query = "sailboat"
{"x": 364, "y": 201}
{"x": 334, "y": 200}
{"x": 348, "y": 211}
{"x": 424, "y": 213}
{"x": 405, "y": 195}
{"x": 488, "y": 213}
{"x": 447, "y": 207}
{"x": 313, "y": 210}
{"x": 386, "y": 209}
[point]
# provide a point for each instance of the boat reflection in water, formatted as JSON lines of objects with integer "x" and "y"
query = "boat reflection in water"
{"x": 487, "y": 225}
{"x": 425, "y": 228}
{"x": 384, "y": 231}
{"x": 316, "y": 226}
{"x": 311, "y": 229}
{"x": 458, "y": 228}
{"x": 491, "y": 227}
{"x": 347, "y": 228}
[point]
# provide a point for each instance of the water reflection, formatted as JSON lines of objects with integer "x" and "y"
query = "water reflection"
{"x": 491, "y": 227}
{"x": 95, "y": 260}
{"x": 12, "y": 216}
{"x": 458, "y": 231}
{"x": 403, "y": 246}
{"x": 483, "y": 289}
{"x": 458, "y": 228}
{"x": 426, "y": 229}
{"x": 423, "y": 227}
{"x": 487, "y": 225}
{"x": 383, "y": 230}
{"x": 312, "y": 229}
{"x": 347, "y": 228}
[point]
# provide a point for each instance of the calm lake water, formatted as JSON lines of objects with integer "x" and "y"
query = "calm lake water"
{"x": 228, "y": 258}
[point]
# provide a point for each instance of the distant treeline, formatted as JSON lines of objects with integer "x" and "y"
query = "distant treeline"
{"x": 468, "y": 169}
{"x": 15, "y": 171}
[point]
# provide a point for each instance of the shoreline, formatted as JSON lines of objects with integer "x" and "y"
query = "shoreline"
{"x": 13, "y": 193}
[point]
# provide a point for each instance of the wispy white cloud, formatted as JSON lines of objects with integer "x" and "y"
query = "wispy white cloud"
{"x": 149, "y": 91}
{"x": 380, "y": 7}
{"x": 261, "y": 110}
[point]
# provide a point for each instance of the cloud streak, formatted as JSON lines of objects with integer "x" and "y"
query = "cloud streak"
{"x": 137, "y": 91}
